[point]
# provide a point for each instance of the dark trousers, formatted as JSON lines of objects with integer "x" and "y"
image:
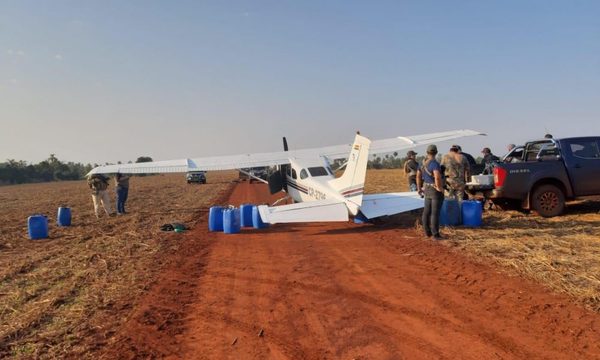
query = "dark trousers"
{"x": 122, "y": 193}
{"x": 431, "y": 212}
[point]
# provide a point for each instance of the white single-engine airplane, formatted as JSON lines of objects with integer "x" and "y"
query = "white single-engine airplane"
{"x": 307, "y": 177}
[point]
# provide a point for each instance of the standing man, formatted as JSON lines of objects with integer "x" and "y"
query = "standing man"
{"x": 488, "y": 160}
{"x": 430, "y": 184}
{"x": 122, "y": 184}
{"x": 470, "y": 163}
{"x": 410, "y": 169}
{"x": 513, "y": 157}
{"x": 456, "y": 173}
{"x": 98, "y": 183}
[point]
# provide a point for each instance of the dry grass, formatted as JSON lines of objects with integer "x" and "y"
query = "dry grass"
{"x": 67, "y": 294}
{"x": 562, "y": 253}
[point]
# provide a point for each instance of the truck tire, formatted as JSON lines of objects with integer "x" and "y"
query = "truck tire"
{"x": 548, "y": 200}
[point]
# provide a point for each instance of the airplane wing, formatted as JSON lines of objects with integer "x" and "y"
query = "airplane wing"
{"x": 376, "y": 205}
{"x": 240, "y": 161}
{"x": 312, "y": 211}
{"x": 399, "y": 143}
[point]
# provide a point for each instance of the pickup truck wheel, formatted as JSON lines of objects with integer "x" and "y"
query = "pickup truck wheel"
{"x": 548, "y": 201}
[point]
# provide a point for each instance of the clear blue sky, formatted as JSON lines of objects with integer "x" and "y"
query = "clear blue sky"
{"x": 97, "y": 81}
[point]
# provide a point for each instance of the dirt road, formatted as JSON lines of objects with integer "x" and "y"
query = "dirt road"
{"x": 346, "y": 291}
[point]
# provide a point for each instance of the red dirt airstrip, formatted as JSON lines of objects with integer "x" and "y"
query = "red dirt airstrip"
{"x": 345, "y": 291}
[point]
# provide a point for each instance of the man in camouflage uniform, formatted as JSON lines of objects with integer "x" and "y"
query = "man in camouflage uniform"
{"x": 470, "y": 162}
{"x": 456, "y": 171}
{"x": 410, "y": 169}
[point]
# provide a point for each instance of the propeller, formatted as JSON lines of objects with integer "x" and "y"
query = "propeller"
{"x": 278, "y": 180}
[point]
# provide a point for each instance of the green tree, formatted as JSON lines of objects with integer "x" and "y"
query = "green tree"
{"x": 143, "y": 159}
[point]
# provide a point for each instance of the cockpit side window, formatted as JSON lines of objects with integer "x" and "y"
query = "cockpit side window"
{"x": 303, "y": 174}
{"x": 294, "y": 175}
{"x": 317, "y": 171}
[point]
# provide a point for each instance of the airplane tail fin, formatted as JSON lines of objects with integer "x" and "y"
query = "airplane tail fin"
{"x": 352, "y": 183}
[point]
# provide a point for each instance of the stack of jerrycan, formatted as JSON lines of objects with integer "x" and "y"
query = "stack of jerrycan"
{"x": 468, "y": 213}
{"x": 230, "y": 219}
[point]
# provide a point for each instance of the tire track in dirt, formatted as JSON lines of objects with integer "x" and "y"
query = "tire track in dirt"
{"x": 420, "y": 320}
{"x": 158, "y": 318}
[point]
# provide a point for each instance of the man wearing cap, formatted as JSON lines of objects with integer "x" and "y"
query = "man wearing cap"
{"x": 511, "y": 157}
{"x": 410, "y": 169}
{"x": 430, "y": 185}
{"x": 470, "y": 162}
{"x": 456, "y": 173}
{"x": 488, "y": 160}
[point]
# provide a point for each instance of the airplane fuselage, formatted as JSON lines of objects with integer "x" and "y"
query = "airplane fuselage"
{"x": 310, "y": 181}
{"x": 309, "y": 190}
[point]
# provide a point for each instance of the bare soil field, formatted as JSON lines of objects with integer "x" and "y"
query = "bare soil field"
{"x": 119, "y": 288}
{"x": 562, "y": 253}
{"x": 347, "y": 291}
{"x": 68, "y": 294}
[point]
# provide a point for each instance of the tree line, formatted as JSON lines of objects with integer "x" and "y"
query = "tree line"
{"x": 51, "y": 169}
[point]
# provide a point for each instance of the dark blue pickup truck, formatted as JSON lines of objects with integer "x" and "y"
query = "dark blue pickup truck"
{"x": 543, "y": 174}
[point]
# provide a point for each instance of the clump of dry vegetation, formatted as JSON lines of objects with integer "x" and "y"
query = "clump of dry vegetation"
{"x": 562, "y": 253}
{"x": 68, "y": 294}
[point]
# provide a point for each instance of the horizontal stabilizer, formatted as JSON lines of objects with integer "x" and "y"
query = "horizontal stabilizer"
{"x": 376, "y": 205}
{"x": 313, "y": 211}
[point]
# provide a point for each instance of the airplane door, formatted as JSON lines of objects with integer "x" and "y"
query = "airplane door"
{"x": 584, "y": 166}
